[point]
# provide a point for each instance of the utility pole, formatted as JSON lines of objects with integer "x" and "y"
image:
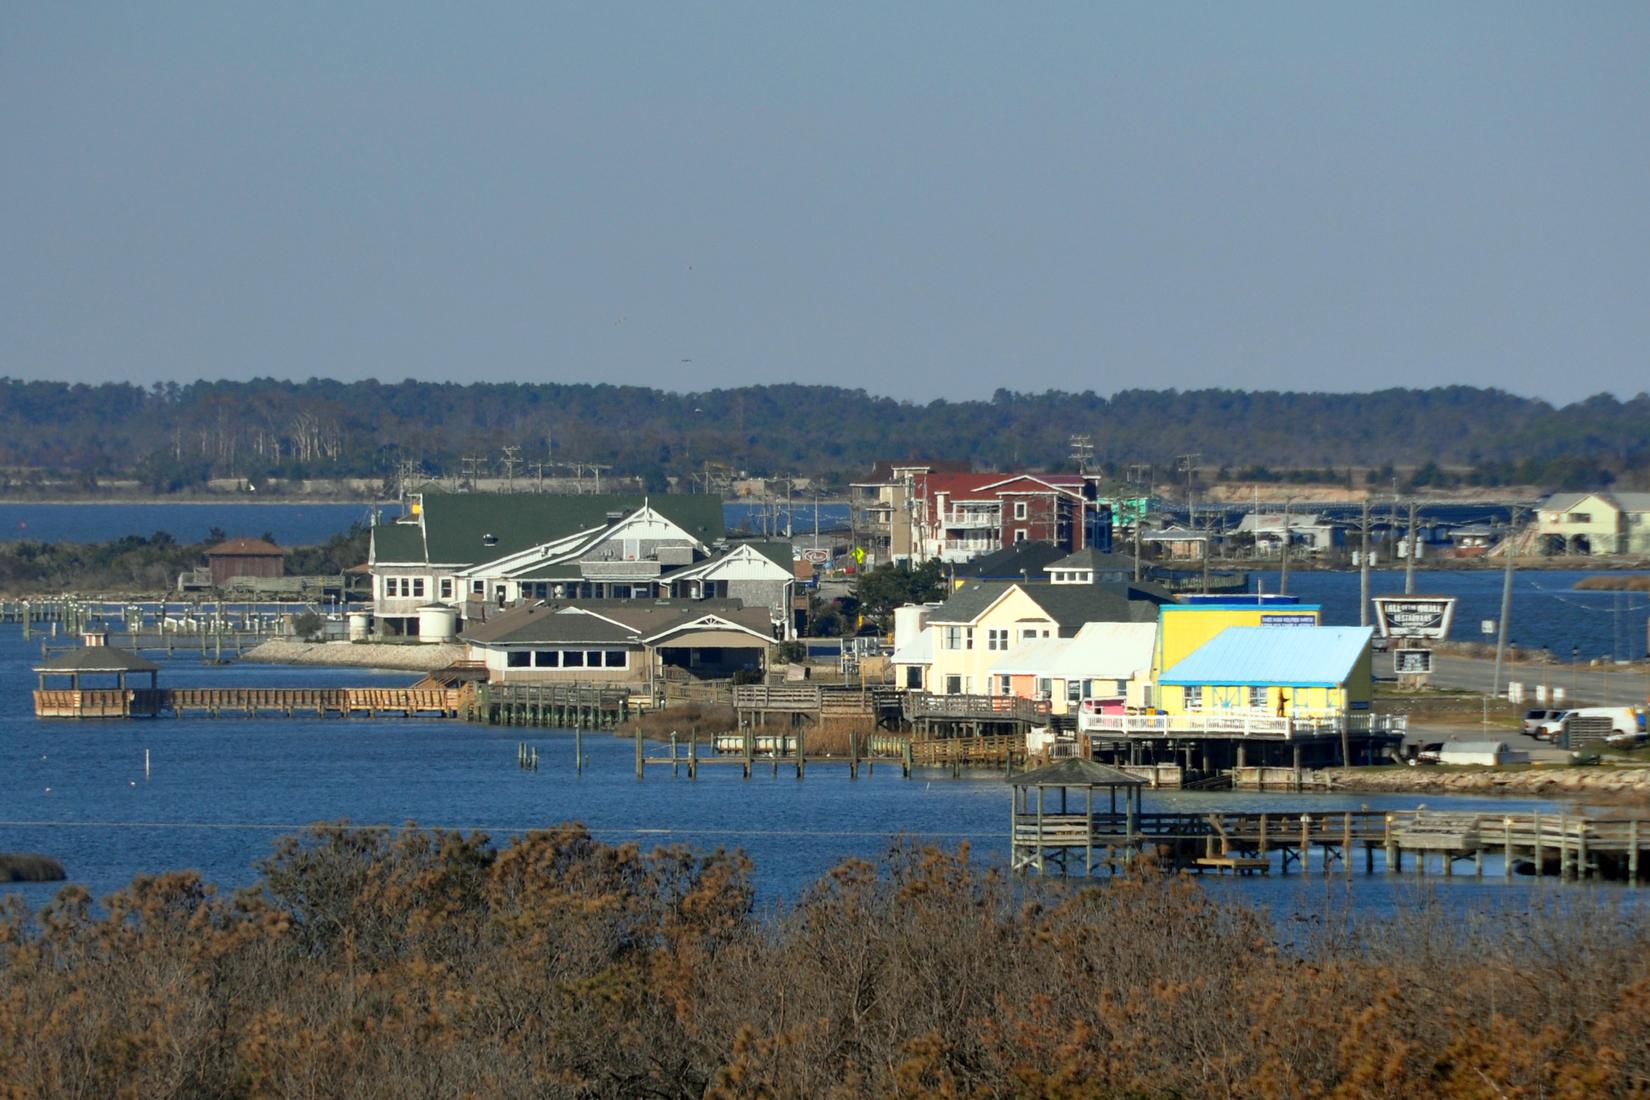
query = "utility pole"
{"x": 1283, "y": 553}
{"x": 512, "y": 456}
{"x": 1510, "y": 544}
{"x": 1139, "y": 522}
{"x": 1363, "y": 569}
{"x": 1409, "y": 556}
{"x": 1082, "y": 452}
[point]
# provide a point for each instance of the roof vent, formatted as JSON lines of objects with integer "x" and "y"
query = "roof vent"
{"x": 489, "y": 539}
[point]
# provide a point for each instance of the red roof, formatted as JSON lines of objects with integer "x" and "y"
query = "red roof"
{"x": 244, "y": 548}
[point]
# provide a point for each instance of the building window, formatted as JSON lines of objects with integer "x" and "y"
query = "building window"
{"x": 1019, "y": 534}
{"x": 418, "y": 587}
{"x": 1019, "y": 509}
{"x": 996, "y": 639}
{"x": 953, "y": 637}
{"x": 1074, "y": 692}
{"x": 1581, "y": 517}
{"x": 1257, "y": 698}
{"x": 615, "y": 658}
{"x": 446, "y": 588}
{"x": 478, "y": 588}
{"x": 1045, "y": 688}
{"x": 546, "y": 658}
{"x": 572, "y": 658}
{"x": 1028, "y": 633}
{"x": 518, "y": 658}
{"x": 1194, "y": 697}
{"x": 953, "y": 685}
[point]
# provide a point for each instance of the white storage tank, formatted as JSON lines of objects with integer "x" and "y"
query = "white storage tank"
{"x": 910, "y": 620}
{"x": 360, "y": 626}
{"x": 437, "y": 623}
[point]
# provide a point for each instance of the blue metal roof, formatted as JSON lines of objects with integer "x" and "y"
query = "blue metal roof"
{"x": 1274, "y": 656}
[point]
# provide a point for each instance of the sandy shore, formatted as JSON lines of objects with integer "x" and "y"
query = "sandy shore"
{"x": 1544, "y": 782}
{"x": 416, "y": 658}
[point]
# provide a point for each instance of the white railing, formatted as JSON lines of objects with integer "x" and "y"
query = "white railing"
{"x": 1239, "y": 723}
{"x": 972, "y": 518}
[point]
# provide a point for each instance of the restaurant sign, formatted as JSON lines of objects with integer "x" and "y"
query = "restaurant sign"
{"x": 1414, "y": 616}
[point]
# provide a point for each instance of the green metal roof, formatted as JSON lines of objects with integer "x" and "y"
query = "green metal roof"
{"x": 455, "y": 523}
{"x": 397, "y": 542}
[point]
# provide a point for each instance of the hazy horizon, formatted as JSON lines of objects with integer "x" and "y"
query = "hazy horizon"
{"x": 924, "y": 201}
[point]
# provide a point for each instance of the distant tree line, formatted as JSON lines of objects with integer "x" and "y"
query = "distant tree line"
{"x": 173, "y": 436}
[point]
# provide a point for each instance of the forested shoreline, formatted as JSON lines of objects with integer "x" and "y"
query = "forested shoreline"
{"x": 169, "y": 437}
{"x": 369, "y": 962}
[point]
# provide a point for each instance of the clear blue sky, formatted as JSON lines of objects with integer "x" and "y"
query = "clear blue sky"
{"x": 919, "y": 199}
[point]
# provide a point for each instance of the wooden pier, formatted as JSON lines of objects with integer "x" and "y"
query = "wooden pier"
{"x": 557, "y": 706}
{"x": 748, "y": 750}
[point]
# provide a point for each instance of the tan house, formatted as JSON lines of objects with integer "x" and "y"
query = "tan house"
{"x": 1594, "y": 523}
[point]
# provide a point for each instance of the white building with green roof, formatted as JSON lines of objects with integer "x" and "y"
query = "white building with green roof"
{"x": 479, "y": 553}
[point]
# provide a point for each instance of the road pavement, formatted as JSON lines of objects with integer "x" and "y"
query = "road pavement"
{"x": 1582, "y": 684}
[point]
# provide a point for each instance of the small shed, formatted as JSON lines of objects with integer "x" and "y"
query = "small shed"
{"x": 1047, "y": 831}
{"x": 1489, "y": 753}
{"x": 101, "y": 699}
{"x": 244, "y": 558}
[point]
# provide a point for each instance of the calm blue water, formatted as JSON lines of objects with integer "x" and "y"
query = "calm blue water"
{"x": 221, "y": 791}
{"x": 291, "y": 524}
{"x": 1547, "y": 610}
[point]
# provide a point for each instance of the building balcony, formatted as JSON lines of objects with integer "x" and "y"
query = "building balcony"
{"x": 966, "y": 519}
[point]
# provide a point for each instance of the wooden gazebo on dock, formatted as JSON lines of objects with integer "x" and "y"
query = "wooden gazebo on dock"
{"x": 122, "y": 700}
{"x": 1044, "y": 834}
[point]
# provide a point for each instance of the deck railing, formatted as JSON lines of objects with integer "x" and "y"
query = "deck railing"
{"x": 1240, "y": 723}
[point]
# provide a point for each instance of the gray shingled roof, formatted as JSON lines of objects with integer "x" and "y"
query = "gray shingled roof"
{"x": 1076, "y": 772}
{"x": 1005, "y": 564}
{"x": 1090, "y": 558}
{"x": 1069, "y": 605}
{"x": 97, "y": 658}
{"x": 619, "y": 621}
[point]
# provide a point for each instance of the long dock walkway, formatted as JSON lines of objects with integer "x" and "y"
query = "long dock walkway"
{"x": 1567, "y": 845}
{"x": 233, "y": 702}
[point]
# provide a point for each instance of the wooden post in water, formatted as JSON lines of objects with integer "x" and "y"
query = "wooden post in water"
{"x": 1506, "y": 846}
{"x": 693, "y": 756}
{"x": 801, "y": 750}
{"x": 1346, "y": 847}
{"x": 853, "y": 754}
{"x": 578, "y": 752}
{"x": 638, "y": 752}
{"x": 1633, "y": 852}
{"x": 1394, "y": 856}
{"x": 1540, "y": 857}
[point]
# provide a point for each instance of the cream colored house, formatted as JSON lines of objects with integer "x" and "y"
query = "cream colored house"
{"x": 982, "y": 623}
{"x": 1104, "y": 661}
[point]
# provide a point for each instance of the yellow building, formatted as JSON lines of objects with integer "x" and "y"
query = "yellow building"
{"x": 1321, "y": 672}
{"x": 981, "y": 623}
{"x": 1183, "y": 628}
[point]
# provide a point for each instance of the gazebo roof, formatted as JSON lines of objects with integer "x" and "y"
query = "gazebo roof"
{"x": 97, "y": 658}
{"x": 1076, "y": 772}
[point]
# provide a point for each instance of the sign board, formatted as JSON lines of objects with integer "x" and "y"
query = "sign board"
{"x": 816, "y": 556}
{"x": 1414, "y": 616}
{"x": 1486, "y": 627}
{"x": 1288, "y": 620}
{"x": 1412, "y": 662}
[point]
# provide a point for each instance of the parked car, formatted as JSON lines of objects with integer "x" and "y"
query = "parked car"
{"x": 1535, "y": 719}
{"x": 1552, "y": 727}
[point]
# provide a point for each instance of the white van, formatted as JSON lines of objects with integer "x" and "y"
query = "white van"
{"x": 1624, "y": 721}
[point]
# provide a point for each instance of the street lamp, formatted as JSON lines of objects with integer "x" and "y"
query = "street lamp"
{"x": 1575, "y": 672}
